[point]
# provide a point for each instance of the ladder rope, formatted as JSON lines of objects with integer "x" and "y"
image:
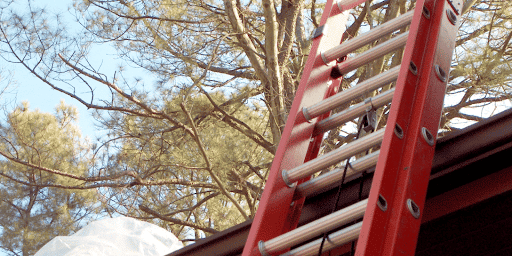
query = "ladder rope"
{"x": 373, "y": 127}
{"x": 338, "y": 194}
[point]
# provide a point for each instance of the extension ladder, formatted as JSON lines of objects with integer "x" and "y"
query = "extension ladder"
{"x": 392, "y": 212}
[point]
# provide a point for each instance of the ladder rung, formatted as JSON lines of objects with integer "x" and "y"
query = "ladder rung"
{"x": 352, "y": 93}
{"x": 368, "y": 37}
{"x": 335, "y": 239}
{"x": 334, "y": 177}
{"x": 373, "y": 54}
{"x": 333, "y": 157}
{"x": 315, "y": 228}
{"x": 354, "y": 111}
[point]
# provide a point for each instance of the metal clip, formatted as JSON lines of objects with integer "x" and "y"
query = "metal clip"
{"x": 320, "y": 31}
{"x": 368, "y": 101}
{"x": 369, "y": 120}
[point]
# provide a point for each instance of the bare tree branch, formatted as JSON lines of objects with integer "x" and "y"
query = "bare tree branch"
{"x": 176, "y": 221}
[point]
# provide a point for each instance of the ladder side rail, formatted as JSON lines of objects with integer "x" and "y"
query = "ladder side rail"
{"x": 273, "y": 218}
{"x": 403, "y": 169}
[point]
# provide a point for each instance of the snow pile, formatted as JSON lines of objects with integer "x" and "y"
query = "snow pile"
{"x": 117, "y": 236}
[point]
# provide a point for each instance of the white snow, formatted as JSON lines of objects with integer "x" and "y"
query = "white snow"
{"x": 116, "y": 236}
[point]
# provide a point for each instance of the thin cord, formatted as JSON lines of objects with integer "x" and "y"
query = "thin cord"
{"x": 361, "y": 184}
{"x": 338, "y": 194}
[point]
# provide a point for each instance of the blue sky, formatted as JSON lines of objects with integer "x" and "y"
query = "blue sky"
{"x": 26, "y": 87}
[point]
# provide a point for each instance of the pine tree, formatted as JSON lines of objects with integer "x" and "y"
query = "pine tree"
{"x": 193, "y": 151}
{"x": 32, "y": 211}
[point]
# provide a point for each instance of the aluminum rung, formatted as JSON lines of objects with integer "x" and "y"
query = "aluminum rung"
{"x": 354, "y": 111}
{"x": 333, "y": 157}
{"x": 373, "y": 54}
{"x": 315, "y": 228}
{"x": 335, "y": 239}
{"x": 368, "y": 37}
{"x": 351, "y": 93}
{"x": 334, "y": 177}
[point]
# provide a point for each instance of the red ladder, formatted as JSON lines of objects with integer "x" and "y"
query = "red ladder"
{"x": 392, "y": 213}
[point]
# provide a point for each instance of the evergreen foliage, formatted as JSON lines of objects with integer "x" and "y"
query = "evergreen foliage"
{"x": 31, "y": 212}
